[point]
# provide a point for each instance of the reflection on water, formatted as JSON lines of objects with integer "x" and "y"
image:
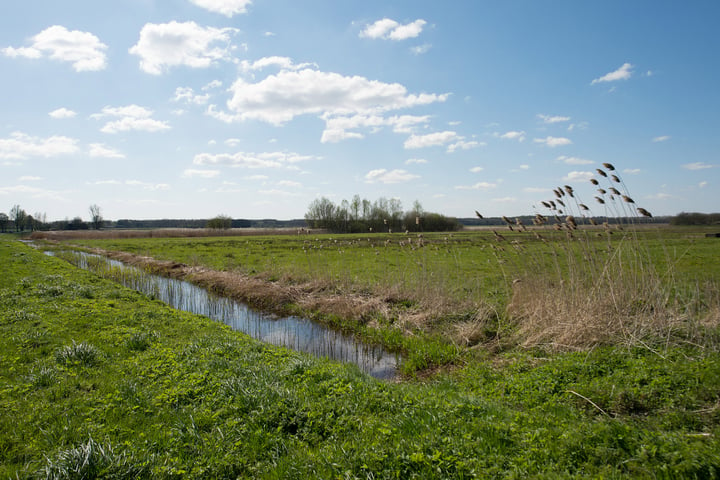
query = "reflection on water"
{"x": 292, "y": 332}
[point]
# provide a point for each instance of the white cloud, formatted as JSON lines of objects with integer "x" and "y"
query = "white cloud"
{"x": 166, "y": 45}
{"x": 476, "y": 169}
{"x": 576, "y": 176}
{"x": 416, "y": 161}
{"x": 574, "y": 160}
{"x": 632, "y": 171}
{"x": 524, "y": 167}
{"x": 20, "y": 145}
{"x": 281, "y": 97}
{"x": 224, "y": 7}
{"x": 553, "y": 141}
{"x": 388, "y": 29}
{"x": 393, "y": 176}
{"x": 553, "y": 118}
{"x": 697, "y": 166}
{"x": 462, "y": 145}
{"x": 702, "y": 184}
{"x": 662, "y": 138}
{"x": 477, "y": 186}
{"x": 232, "y": 142}
{"x": 30, "y": 178}
{"x": 131, "y": 117}
{"x": 537, "y": 190}
{"x": 504, "y": 200}
{"x": 100, "y": 150}
{"x": 622, "y": 73}
{"x": 251, "y": 160}
{"x": 432, "y": 139}
{"x": 513, "y": 135}
{"x": 192, "y": 172}
{"x": 282, "y": 63}
{"x": 61, "y": 113}
{"x": 186, "y": 94}
{"x": 83, "y": 49}
{"x": 421, "y": 49}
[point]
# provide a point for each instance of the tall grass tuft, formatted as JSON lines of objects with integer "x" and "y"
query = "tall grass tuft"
{"x": 92, "y": 460}
{"x": 581, "y": 280}
{"x": 81, "y": 353}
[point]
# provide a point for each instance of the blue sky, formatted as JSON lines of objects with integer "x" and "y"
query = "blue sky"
{"x": 254, "y": 108}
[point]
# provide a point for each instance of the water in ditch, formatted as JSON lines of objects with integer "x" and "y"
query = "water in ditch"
{"x": 292, "y": 332}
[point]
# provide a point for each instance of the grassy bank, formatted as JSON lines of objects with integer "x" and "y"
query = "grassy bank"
{"x": 101, "y": 380}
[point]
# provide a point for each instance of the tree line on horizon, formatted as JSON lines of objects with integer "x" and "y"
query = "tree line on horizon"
{"x": 355, "y": 216}
{"x": 360, "y": 215}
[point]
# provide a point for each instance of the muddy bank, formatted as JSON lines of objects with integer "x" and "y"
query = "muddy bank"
{"x": 277, "y": 297}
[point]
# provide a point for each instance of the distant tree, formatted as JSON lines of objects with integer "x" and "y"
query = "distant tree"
{"x": 39, "y": 221}
{"x": 96, "y": 216}
{"x": 321, "y": 213}
{"x": 77, "y": 224}
{"x": 18, "y": 215}
{"x": 221, "y": 222}
{"x": 4, "y": 220}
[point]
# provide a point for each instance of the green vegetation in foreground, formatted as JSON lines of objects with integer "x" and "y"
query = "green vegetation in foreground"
{"x": 99, "y": 381}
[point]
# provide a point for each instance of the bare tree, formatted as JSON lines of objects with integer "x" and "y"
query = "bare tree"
{"x": 4, "y": 220}
{"x": 96, "y": 216}
{"x": 18, "y": 215}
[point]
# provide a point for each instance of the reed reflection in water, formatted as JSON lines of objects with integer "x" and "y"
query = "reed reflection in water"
{"x": 292, "y": 332}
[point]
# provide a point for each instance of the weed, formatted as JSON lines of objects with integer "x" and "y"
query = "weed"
{"x": 93, "y": 460}
{"x": 81, "y": 353}
{"x": 141, "y": 341}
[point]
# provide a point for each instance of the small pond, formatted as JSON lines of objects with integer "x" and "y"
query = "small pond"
{"x": 292, "y": 332}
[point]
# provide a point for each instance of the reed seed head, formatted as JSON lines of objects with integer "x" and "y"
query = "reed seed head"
{"x": 628, "y": 199}
{"x": 600, "y": 200}
{"x": 615, "y": 178}
{"x": 601, "y": 172}
{"x": 594, "y": 182}
{"x": 644, "y": 212}
{"x": 609, "y": 166}
{"x": 615, "y": 191}
{"x": 583, "y": 206}
{"x": 602, "y": 191}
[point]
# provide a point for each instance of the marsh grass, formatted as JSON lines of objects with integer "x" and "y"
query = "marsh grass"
{"x": 578, "y": 283}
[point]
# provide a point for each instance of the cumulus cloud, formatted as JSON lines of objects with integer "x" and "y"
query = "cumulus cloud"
{"x": 251, "y": 160}
{"x": 61, "y": 113}
{"x": 576, "y": 176}
{"x": 224, "y": 7}
{"x": 337, "y": 128}
{"x": 20, "y": 145}
{"x": 553, "y": 141}
{"x": 83, "y": 50}
{"x": 697, "y": 166}
{"x": 476, "y": 169}
{"x": 382, "y": 175}
{"x": 622, "y": 73}
{"x": 281, "y": 97}
{"x": 100, "y": 150}
{"x": 513, "y": 135}
{"x": 432, "y": 139}
{"x": 166, "y": 45}
{"x": 553, "y": 118}
{"x": 188, "y": 95}
{"x": 282, "y": 63}
{"x": 388, "y": 29}
{"x": 130, "y": 117}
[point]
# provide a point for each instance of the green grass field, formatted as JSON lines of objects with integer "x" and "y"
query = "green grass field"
{"x": 100, "y": 381}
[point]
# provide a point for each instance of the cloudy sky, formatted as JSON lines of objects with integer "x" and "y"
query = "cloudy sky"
{"x": 254, "y": 108}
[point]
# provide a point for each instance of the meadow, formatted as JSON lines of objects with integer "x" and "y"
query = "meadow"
{"x": 101, "y": 381}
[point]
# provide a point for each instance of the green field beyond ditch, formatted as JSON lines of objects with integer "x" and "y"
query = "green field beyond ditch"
{"x": 98, "y": 381}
